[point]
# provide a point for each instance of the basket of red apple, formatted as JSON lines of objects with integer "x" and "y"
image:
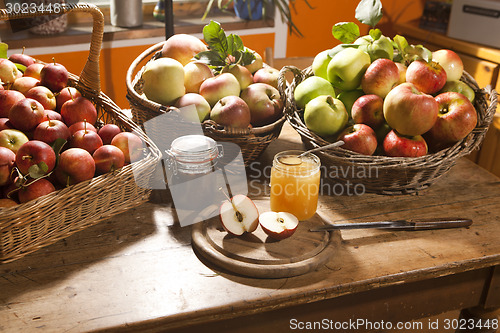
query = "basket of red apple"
{"x": 405, "y": 114}
{"x": 69, "y": 156}
{"x": 222, "y": 86}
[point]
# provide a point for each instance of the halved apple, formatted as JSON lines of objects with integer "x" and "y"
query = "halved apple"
{"x": 239, "y": 215}
{"x": 278, "y": 225}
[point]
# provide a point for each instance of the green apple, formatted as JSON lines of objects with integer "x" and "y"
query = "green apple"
{"x": 163, "y": 80}
{"x": 310, "y": 88}
{"x": 347, "y": 67}
{"x": 379, "y": 48}
{"x": 459, "y": 87}
{"x": 320, "y": 64}
{"x": 349, "y": 97}
{"x": 325, "y": 115}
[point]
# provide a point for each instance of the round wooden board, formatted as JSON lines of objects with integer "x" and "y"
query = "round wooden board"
{"x": 257, "y": 255}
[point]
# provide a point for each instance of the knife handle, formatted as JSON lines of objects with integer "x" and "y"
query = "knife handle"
{"x": 439, "y": 223}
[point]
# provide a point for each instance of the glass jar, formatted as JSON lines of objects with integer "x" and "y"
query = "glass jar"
{"x": 192, "y": 180}
{"x": 295, "y": 183}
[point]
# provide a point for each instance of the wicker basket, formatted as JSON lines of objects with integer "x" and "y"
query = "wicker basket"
{"x": 28, "y": 227}
{"x": 390, "y": 175}
{"x": 252, "y": 141}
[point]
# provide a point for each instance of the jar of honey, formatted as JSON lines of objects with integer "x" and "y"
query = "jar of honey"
{"x": 295, "y": 183}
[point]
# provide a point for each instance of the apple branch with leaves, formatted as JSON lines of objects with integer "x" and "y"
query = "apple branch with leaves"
{"x": 223, "y": 50}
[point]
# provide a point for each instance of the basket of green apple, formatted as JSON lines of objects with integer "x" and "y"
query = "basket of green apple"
{"x": 404, "y": 113}
{"x": 219, "y": 84}
{"x": 69, "y": 156}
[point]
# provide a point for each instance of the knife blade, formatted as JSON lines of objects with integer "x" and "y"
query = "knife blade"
{"x": 409, "y": 225}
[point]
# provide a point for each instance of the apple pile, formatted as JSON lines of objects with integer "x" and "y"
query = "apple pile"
{"x": 239, "y": 215}
{"x": 50, "y": 136}
{"x": 232, "y": 89}
{"x": 386, "y": 97}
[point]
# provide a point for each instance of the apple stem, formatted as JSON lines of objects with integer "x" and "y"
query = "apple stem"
{"x": 239, "y": 216}
{"x": 54, "y": 60}
{"x": 24, "y": 47}
{"x": 70, "y": 94}
{"x": 27, "y": 157}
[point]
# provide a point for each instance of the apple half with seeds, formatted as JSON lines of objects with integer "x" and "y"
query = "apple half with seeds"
{"x": 278, "y": 225}
{"x": 239, "y": 215}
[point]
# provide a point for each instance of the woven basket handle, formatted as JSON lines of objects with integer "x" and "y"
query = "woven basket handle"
{"x": 90, "y": 73}
{"x": 283, "y": 87}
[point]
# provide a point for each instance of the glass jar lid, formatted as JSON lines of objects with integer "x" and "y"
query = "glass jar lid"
{"x": 194, "y": 149}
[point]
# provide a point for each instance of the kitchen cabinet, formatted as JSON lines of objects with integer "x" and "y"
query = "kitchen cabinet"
{"x": 483, "y": 63}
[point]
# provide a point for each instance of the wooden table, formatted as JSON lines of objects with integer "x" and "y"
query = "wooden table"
{"x": 138, "y": 271}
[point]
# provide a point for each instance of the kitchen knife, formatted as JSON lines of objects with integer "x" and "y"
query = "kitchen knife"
{"x": 410, "y": 225}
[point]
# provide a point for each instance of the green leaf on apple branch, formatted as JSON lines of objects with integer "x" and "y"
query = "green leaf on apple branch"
{"x": 332, "y": 52}
{"x": 22, "y": 68}
{"x": 210, "y": 58}
{"x": 3, "y": 50}
{"x": 58, "y": 145}
{"x": 234, "y": 44}
{"x": 375, "y": 34}
{"x": 369, "y": 12}
{"x": 215, "y": 37}
{"x": 38, "y": 170}
{"x": 346, "y": 32}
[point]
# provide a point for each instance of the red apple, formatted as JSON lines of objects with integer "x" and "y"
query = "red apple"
{"x": 231, "y": 111}
{"x": 75, "y": 165}
{"x": 81, "y": 125}
{"x": 409, "y": 111}
{"x": 397, "y": 145}
{"x": 267, "y": 75}
{"x": 35, "y": 189}
{"x": 49, "y": 131}
{"x": 85, "y": 139}
{"x": 65, "y": 95}
{"x": 26, "y": 114}
{"x": 22, "y": 59}
{"x": 359, "y": 138}
{"x": 5, "y": 123}
{"x": 108, "y": 132}
{"x": 24, "y": 83}
{"x": 222, "y": 85}
{"x": 35, "y": 152}
{"x": 43, "y": 95}
{"x": 79, "y": 109}
{"x": 369, "y": 110}
{"x": 34, "y": 70}
{"x": 108, "y": 158}
{"x": 239, "y": 215}
{"x": 12, "y": 139}
{"x": 7, "y": 99}
{"x": 451, "y": 62}
{"x": 428, "y": 77}
{"x": 278, "y": 225}
{"x": 380, "y": 77}
{"x": 264, "y": 102}
{"x": 7, "y": 161}
{"x": 457, "y": 117}
{"x": 182, "y": 47}
{"x": 52, "y": 115}
{"x": 54, "y": 76}
{"x": 130, "y": 144}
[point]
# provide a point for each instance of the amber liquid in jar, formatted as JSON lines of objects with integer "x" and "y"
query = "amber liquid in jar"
{"x": 295, "y": 184}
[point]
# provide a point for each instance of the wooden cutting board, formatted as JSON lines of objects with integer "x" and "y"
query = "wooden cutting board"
{"x": 257, "y": 255}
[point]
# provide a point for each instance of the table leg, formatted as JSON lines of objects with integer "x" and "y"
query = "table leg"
{"x": 478, "y": 320}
